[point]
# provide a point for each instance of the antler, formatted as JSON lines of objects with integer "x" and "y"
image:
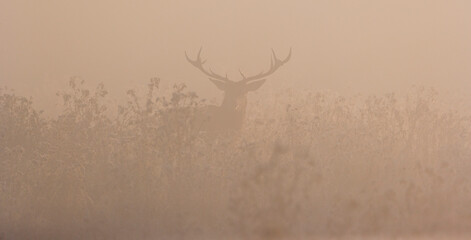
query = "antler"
{"x": 198, "y": 63}
{"x": 274, "y": 65}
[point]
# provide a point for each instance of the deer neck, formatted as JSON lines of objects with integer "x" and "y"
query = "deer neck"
{"x": 234, "y": 104}
{"x": 233, "y": 108}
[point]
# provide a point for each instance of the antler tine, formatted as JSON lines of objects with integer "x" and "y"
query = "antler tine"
{"x": 274, "y": 55}
{"x": 281, "y": 62}
{"x": 212, "y": 73}
{"x": 242, "y": 74}
{"x": 198, "y": 63}
{"x": 275, "y": 63}
{"x": 287, "y": 57}
{"x": 188, "y": 58}
{"x": 199, "y": 52}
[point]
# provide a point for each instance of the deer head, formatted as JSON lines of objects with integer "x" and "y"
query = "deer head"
{"x": 232, "y": 109}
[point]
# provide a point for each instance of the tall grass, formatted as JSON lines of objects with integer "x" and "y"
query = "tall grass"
{"x": 305, "y": 165}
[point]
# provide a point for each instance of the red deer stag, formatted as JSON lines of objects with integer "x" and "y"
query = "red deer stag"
{"x": 231, "y": 113}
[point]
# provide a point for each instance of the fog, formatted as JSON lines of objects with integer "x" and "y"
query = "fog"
{"x": 343, "y": 46}
{"x": 108, "y": 131}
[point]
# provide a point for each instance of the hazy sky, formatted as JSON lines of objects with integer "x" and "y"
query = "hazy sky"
{"x": 345, "y": 46}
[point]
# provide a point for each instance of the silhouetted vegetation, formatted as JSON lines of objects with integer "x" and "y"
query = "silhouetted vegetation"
{"x": 304, "y": 165}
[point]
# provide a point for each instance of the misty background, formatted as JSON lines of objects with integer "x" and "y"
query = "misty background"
{"x": 364, "y": 133}
{"x": 344, "y": 46}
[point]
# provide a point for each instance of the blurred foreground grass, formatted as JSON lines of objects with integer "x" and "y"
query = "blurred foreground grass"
{"x": 306, "y": 165}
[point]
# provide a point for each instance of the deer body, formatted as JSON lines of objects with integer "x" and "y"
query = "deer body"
{"x": 230, "y": 114}
{"x": 227, "y": 117}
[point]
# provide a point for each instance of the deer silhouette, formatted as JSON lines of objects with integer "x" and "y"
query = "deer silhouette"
{"x": 230, "y": 114}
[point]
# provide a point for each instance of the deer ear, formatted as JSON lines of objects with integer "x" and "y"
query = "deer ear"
{"x": 254, "y": 85}
{"x": 221, "y": 85}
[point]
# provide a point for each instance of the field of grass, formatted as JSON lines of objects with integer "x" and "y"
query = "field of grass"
{"x": 306, "y": 165}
